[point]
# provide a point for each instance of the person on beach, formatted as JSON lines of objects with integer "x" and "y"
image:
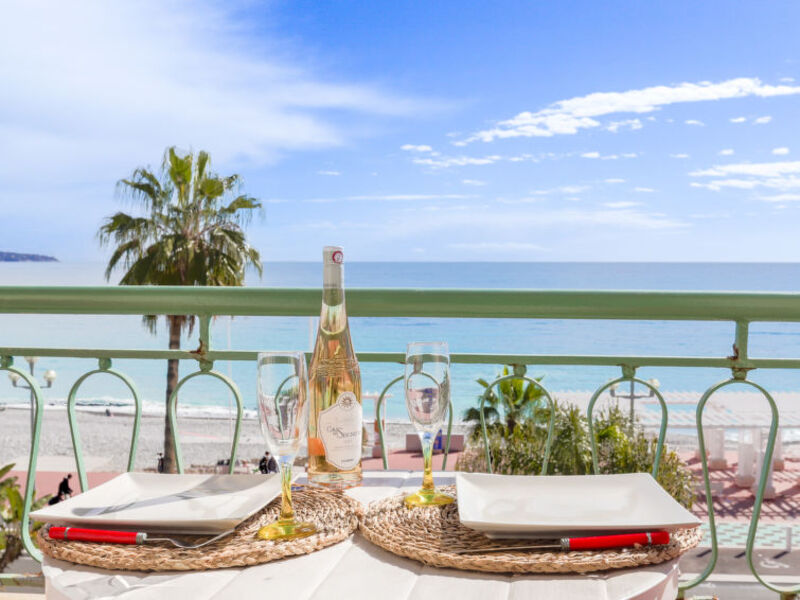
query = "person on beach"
{"x": 268, "y": 464}
{"x": 64, "y": 491}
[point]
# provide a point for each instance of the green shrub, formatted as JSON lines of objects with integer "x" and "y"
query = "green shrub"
{"x": 622, "y": 447}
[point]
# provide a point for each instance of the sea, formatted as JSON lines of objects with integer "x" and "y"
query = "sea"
{"x": 528, "y": 336}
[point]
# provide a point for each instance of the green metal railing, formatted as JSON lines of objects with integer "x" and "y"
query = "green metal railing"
{"x": 738, "y": 308}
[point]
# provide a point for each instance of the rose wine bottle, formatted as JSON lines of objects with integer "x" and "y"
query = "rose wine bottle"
{"x": 334, "y": 424}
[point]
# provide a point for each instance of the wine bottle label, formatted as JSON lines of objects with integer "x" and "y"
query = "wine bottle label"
{"x": 340, "y": 430}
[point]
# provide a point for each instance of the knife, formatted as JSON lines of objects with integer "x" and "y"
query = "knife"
{"x": 598, "y": 542}
{"x": 107, "y": 536}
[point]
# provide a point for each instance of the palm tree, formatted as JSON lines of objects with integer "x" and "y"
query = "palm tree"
{"x": 191, "y": 232}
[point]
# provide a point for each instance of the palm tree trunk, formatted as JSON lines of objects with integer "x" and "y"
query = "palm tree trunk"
{"x": 170, "y": 465}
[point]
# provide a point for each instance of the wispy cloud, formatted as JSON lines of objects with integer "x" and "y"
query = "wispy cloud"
{"x": 645, "y": 190}
{"x": 476, "y": 182}
{"x": 762, "y": 120}
{"x": 403, "y": 197}
{"x": 569, "y": 190}
{"x": 503, "y": 246}
{"x": 446, "y": 162}
{"x": 726, "y": 152}
{"x": 416, "y": 148}
{"x": 679, "y": 155}
{"x": 738, "y": 119}
{"x": 614, "y": 180}
{"x": 329, "y": 173}
{"x": 568, "y": 117}
{"x": 780, "y": 151}
{"x": 198, "y": 78}
{"x": 695, "y": 122}
{"x": 631, "y": 124}
{"x": 778, "y": 198}
{"x": 748, "y": 176}
{"x": 621, "y": 204}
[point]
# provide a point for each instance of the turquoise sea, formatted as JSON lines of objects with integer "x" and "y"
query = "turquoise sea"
{"x": 463, "y": 335}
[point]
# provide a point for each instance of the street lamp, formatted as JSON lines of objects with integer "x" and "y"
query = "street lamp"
{"x": 49, "y": 378}
{"x": 632, "y": 395}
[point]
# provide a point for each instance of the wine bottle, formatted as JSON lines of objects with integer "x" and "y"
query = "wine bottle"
{"x": 334, "y": 424}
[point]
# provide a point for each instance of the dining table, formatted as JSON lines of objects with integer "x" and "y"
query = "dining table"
{"x": 355, "y": 569}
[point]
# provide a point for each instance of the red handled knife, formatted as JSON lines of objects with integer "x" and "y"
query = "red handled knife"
{"x": 597, "y": 542}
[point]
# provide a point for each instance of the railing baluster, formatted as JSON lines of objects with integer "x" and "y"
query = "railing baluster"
{"x": 519, "y": 373}
{"x": 662, "y": 433}
{"x": 172, "y": 410}
{"x": 104, "y": 366}
{"x": 37, "y": 406}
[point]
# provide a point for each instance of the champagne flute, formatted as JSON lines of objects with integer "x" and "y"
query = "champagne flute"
{"x": 283, "y": 413}
{"x": 427, "y": 390}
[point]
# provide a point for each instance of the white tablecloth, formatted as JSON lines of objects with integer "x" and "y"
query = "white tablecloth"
{"x": 355, "y": 570}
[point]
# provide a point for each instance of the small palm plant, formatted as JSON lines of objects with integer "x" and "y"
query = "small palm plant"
{"x": 518, "y": 399}
{"x": 11, "y": 508}
{"x": 190, "y": 232}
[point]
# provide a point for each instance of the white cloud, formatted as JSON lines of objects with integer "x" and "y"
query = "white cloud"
{"x": 762, "y": 120}
{"x": 774, "y": 169}
{"x": 403, "y": 197}
{"x": 622, "y": 204}
{"x": 569, "y": 190}
{"x": 416, "y": 148}
{"x": 329, "y": 173}
{"x": 476, "y": 182}
{"x": 780, "y": 151}
{"x": 493, "y": 220}
{"x": 695, "y": 122}
{"x": 726, "y": 152}
{"x": 96, "y": 88}
{"x": 747, "y": 176}
{"x": 781, "y": 198}
{"x": 680, "y": 155}
{"x": 632, "y": 124}
{"x": 567, "y": 117}
{"x": 614, "y": 180}
{"x": 786, "y": 79}
{"x": 738, "y": 119}
{"x": 609, "y": 156}
{"x": 457, "y": 161}
{"x": 645, "y": 190}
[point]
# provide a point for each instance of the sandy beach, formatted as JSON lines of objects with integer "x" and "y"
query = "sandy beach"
{"x": 204, "y": 441}
{"x": 106, "y": 440}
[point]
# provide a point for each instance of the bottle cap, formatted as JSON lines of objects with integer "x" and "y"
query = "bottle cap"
{"x": 332, "y": 255}
{"x": 332, "y": 267}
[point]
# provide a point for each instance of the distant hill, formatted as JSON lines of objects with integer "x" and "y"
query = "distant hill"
{"x": 18, "y": 257}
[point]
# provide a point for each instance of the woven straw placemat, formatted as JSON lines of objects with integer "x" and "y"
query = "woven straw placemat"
{"x": 430, "y": 536}
{"x": 334, "y": 514}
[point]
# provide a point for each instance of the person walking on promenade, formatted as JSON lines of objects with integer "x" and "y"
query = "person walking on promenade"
{"x": 64, "y": 491}
{"x": 268, "y": 464}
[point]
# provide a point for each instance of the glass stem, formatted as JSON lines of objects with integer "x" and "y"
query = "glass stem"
{"x": 427, "y": 460}
{"x": 287, "y": 512}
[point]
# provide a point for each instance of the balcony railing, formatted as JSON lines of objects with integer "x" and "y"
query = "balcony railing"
{"x": 739, "y": 308}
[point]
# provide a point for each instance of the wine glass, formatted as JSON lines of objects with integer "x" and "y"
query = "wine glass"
{"x": 283, "y": 413}
{"x": 427, "y": 390}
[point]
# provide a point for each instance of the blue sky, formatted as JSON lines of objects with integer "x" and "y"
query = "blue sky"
{"x": 417, "y": 130}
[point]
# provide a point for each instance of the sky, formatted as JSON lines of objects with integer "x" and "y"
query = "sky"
{"x": 416, "y": 131}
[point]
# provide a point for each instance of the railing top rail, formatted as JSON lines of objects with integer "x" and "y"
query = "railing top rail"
{"x": 405, "y": 302}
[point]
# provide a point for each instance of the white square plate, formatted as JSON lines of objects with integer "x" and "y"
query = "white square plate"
{"x": 166, "y": 503}
{"x": 554, "y": 506}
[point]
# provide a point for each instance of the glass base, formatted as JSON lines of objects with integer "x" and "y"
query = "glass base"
{"x": 286, "y": 530}
{"x": 428, "y": 498}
